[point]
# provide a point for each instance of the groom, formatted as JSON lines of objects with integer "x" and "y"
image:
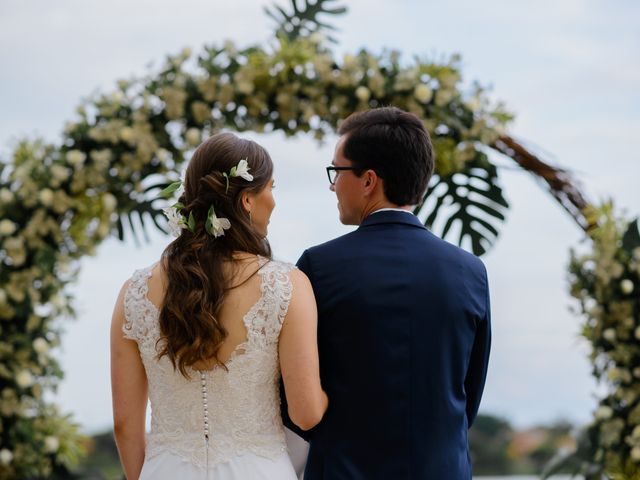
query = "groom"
{"x": 403, "y": 317}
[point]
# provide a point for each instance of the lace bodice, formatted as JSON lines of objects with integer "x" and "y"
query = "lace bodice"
{"x": 217, "y": 414}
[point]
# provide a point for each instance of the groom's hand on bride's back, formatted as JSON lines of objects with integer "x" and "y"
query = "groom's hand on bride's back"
{"x": 298, "y": 349}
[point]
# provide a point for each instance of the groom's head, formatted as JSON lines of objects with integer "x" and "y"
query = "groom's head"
{"x": 386, "y": 158}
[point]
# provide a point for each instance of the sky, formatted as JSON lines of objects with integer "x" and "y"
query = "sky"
{"x": 568, "y": 70}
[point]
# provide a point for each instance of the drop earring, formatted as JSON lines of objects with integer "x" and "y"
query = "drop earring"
{"x": 250, "y": 220}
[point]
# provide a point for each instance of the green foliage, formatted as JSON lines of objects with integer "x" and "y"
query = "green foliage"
{"x": 606, "y": 283}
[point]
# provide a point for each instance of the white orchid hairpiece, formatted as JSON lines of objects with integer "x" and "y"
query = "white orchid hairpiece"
{"x": 176, "y": 220}
{"x": 216, "y": 226}
{"x": 241, "y": 170}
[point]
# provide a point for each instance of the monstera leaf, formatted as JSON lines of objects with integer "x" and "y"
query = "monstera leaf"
{"x": 476, "y": 200}
{"x": 143, "y": 210}
{"x": 631, "y": 238}
{"x": 302, "y": 22}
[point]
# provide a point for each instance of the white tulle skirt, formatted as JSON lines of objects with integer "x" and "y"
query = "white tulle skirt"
{"x": 248, "y": 466}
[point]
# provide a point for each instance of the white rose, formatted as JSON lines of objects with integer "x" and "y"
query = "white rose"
{"x": 76, "y": 157}
{"x": 64, "y": 267}
{"x": 363, "y": 93}
{"x": 40, "y": 345}
{"x": 24, "y": 379}
{"x": 69, "y": 127}
{"x": 42, "y": 360}
{"x": 59, "y": 172}
{"x": 14, "y": 247}
{"x": 51, "y": 444}
{"x": 444, "y": 96}
{"x": 109, "y": 202}
{"x": 163, "y": 155}
{"x": 230, "y": 47}
{"x": 192, "y": 136}
{"x": 102, "y": 157}
{"x": 6, "y": 456}
{"x": 5, "y": 195}
{"x": 103, "y": 230}
{"x": 422, "y": 93}
{"x": 46, "y": 197}
{"x": 317, "y": 38}
{"x": 57, "y": 301}
{"x": 619, "y": 374}
{"x": 350, "y": 61}
{"x": 604, "y": 412}
{"x": 595, "y": 311}
{"x": 609, "y": 334}
{"x": 126, "y": 133}
{"x": 7, "y": 227}
{"x": 283, "y": 99}
{"x": 626, "y": 286}
{"x": 473, "y": 104}
{"x": 635, "y": 454}
{"x": 117, "y": 97}
{"x": 448, "y": 79}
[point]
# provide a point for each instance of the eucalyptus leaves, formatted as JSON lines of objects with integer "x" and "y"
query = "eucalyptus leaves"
{"x": 214, "y": 226}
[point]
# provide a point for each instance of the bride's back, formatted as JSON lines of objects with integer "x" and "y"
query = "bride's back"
{"x": 199, "y": 334}
{"x": 216, "y": 413}
{"x": 243, "y": 292}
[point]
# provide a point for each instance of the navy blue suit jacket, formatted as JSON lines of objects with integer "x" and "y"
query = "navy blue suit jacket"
{"x": 404, "y": 337}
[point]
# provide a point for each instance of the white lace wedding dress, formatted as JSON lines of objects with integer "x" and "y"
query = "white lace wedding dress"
{"x": 220, "y": 424}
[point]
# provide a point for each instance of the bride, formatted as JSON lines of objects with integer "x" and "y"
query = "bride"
{"x": 205, "y": 333}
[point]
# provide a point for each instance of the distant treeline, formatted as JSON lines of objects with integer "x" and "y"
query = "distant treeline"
{"x": 496, "y": 449}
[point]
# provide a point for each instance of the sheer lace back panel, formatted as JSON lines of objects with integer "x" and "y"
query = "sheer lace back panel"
{"x": 216, "y": 414}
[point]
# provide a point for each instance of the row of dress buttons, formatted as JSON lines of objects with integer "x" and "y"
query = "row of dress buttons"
{"x": 204, "y": 404}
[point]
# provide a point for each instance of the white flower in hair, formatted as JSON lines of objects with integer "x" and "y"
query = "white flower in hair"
{"x": 242, "y": 170}
{"x": 175, "y": 220}
{"x": 216, "y": 226}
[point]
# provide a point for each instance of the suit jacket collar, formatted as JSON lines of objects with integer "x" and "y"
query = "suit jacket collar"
{"x": 391, "y": 216}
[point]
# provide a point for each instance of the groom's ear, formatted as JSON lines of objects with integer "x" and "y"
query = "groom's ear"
{"x": 370, "y": 181}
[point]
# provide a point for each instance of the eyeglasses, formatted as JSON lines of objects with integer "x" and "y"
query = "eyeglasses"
{"x": 332, "y": 172}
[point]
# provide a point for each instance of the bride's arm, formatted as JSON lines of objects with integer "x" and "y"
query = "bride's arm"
{"x": 299, "y": 362}
{"x": 129, "y": 394}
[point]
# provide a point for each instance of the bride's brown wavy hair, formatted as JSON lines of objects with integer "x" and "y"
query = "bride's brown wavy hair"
{"x": 193, "y": 262}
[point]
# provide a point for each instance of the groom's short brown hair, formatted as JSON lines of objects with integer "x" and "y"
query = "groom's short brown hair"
{"x": 396, "y": 145}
